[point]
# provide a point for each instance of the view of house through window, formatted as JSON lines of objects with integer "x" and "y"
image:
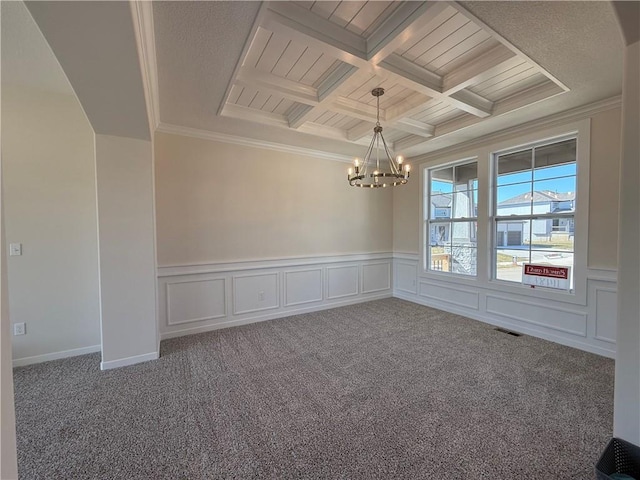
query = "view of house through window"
{"x": 534, "y": 208}
{"x": 452, "y": 208}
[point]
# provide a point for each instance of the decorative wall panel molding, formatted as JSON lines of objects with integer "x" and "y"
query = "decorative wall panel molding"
{"x": 255, "y": 292}
{"x": 302, "y": 286}
{"x": 539, "y": 313}
{"x": 454, "y": 295}
{"x": 342, "y": 281}
{"x": 590, "y": 327}
{"x": 406, "y": 275}
{"x": 606, "y": 312}
{"x": 376, "y": 277}
{"x": 196, "y": 298}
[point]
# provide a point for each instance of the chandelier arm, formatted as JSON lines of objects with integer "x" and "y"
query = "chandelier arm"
{"x": 392, "y": 163}
{"x": 377, "y": 136}
{"x": 367, "y": 156}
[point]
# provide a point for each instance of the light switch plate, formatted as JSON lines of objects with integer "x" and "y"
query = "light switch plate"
{"x": 15, "y": 249}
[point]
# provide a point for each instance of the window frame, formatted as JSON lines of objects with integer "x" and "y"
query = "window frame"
{"x": 428, "y": 221}
{"x": 483, "y": 285}
{"x": 495, "y": 218}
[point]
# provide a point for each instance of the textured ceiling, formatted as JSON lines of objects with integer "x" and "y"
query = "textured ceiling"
{"x": 27, "y": 59}
{"x": 197, "y": 47}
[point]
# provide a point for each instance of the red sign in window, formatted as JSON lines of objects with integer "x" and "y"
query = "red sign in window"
{"x": 546, "y": 271}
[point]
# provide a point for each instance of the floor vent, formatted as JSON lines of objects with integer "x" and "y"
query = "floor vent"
{"x": 508, "y": 332}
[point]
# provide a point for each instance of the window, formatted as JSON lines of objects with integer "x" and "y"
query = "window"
{"x": 534, "y": 208}
{"x": 452, "y": 211}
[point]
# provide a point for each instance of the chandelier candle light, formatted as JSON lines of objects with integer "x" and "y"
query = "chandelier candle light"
{"x": 370, "y": 173}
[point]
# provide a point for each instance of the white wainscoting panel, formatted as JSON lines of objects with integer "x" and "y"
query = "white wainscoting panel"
{"x": 255, "y": 292}
{"x": 590, "y": 326}
{"x": 342, "y": 281}
{"x": 463, "y": 297}
{"x": 200, "y": 298}
{"x": 302, "y": 286}
{"x": 376, "y": 277}
{"x": 195, "y": 300}
{"x": 563, "y": 320}
{"x": 606, "y": 308}
{"x": 406, "y": 275}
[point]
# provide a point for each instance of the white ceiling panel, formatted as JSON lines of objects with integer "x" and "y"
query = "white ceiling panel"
{"x": 462, "y": 47}
{"x": 466, "y": 56}
{"x": 506, "y": 89}
{"x": 450, "y": 42}
{"x": 272, "y": 104}
{"x": 318, "y": 69}
{"x": 345, "y": 12}
{"x": 273, "y": 50}
{"x": 324, "y": 9}
{"x": 448, "y": 22}
{"x": 371, "y": 17}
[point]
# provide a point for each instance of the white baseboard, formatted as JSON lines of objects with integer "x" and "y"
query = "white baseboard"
{"x": 124, "y": 362}
{"x": 21, "y": 362}
{"x": 272, "y": 316}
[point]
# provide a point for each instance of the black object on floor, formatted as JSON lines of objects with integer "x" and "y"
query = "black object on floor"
{"x": 620, "y": 456}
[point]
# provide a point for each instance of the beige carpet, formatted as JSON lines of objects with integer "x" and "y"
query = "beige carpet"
{"x": 387, "y": 389}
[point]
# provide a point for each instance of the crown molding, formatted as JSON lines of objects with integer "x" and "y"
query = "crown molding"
{"x": 250, "y": 142}
{"x": 142, "y": 13}
{"x": 550, "y": 121}
{"x": 560, "y": 118}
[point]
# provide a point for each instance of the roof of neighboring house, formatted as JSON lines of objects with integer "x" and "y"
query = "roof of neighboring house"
{"x": 440, "y": 199}
{"x": 539, "y": 196}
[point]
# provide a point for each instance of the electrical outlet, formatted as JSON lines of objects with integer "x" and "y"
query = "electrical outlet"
{"x": 15, "y": 249}
{"x": 20, "y": 328}
{"x": 261, "y": 296}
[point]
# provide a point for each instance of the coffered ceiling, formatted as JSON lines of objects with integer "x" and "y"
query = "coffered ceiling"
{"x": 301, "y": 73}
{"x": 311, "y": 66}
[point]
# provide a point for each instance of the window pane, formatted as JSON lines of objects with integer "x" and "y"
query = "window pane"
{"x": 440, "y": 206}
{"x": 555, "y": 154}
{"x": 557, "y": 195}
{"x": 441, "y": 181}
{"x": 553, "y": 233}
{"x": 453, "y": 194}
{"x": 555, "y": 171}
{"x": 466, "y": 175}
{"x": 514, "y": 199}
{"x": 512, "y": 235}
{"x": 512, "y": 248}
{"x": 464, "y": 233}
{"x": 440, "y": 234}
{"x": 465, "y": 204}
{"x": 464, "y": 259}
{"x": 514, "y": 167}
{"x": 440, "y": 260}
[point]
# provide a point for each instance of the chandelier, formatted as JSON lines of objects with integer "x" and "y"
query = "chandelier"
{"x": 379, "y": 169}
